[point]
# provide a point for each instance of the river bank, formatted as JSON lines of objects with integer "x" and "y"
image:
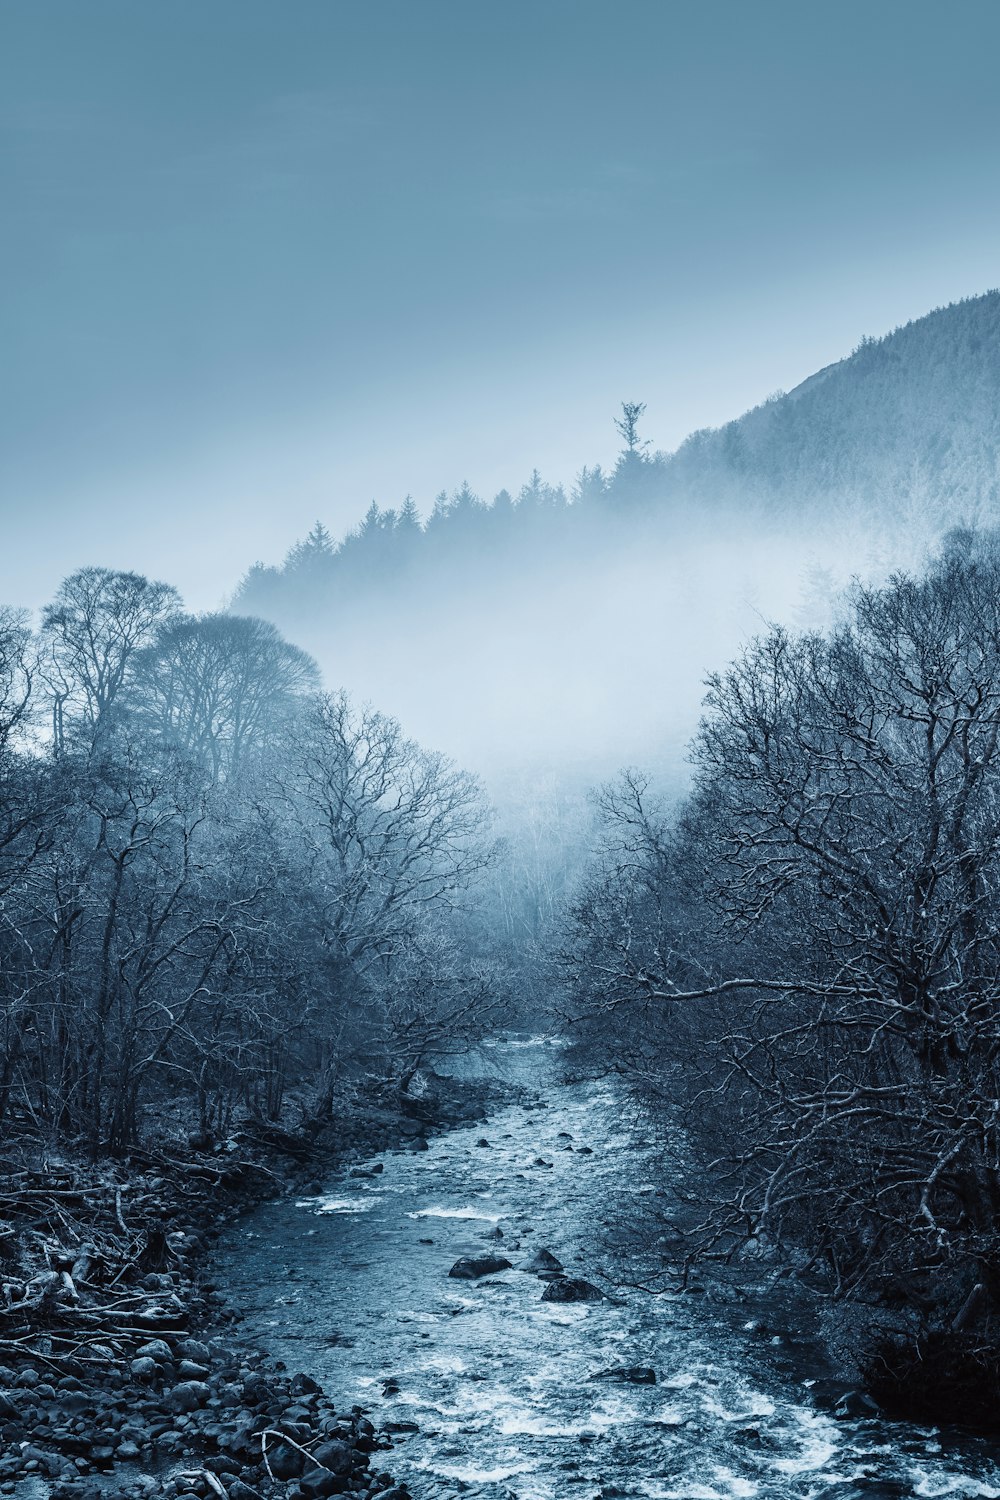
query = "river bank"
{"x": 118, "y": 1372}
{"x": 493, "y": 1389}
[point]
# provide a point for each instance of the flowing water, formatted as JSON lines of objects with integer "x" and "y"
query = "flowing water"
{"x": 352, "y": 1286}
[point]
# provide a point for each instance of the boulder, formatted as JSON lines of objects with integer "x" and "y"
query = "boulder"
{"x": 318, "y": 1485}
{"x": 187, "y": 1396}
{"x": 156, "y": 1349}
{"x": 628, "y": 1374}
{"x": 335, "y": 1456}
{"x": 240, "y": 1491}
{"x": 285, "y": 1461}
{"x": 194, "y": 1349}
{"x": 471, "y": 1267}
{"x": 543, "y": 1262}
{"x": 572, "y": 1289}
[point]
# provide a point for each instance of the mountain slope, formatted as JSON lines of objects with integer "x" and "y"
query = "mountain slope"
{"x": 907, "y": 427}
{"x": 577, "y": 629}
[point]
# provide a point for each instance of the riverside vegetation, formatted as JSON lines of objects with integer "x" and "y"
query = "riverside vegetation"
{"x": 232, "y": 903}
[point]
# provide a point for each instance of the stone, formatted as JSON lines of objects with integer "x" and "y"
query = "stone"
{"x": 187, "y": 1396}
{"x": 542, "y": 1262}
{"x": 304, "y": 1385}
{"x": 285, "y": 1461}
{"x": 317, "y": 1485}
{"x": 188, "y": 1369}
{"x": 572, "y": 1289}
{"x": 240, "y": 1491}
{"x": 482, "y": 1141}
{"x": 156, "y": 1349}
{"x": 194, "y": 1349}
{"x": 469, "y": 1268}
{"x": 145, "y": 1368}
{"x": 256, "y": 1391}
{"x": 335, "y": 1456}
{"x": 628, "y": 1374}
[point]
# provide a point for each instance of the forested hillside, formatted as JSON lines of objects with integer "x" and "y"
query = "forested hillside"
{"x": 579, "y": 609}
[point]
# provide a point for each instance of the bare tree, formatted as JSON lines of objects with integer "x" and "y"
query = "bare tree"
{"x": 395, "y": 833}
{"x": 219, "y": 685}
{"x": 98, "y": 622}
{"x": 392, "y": 837}
{"x": 809, "y": 960}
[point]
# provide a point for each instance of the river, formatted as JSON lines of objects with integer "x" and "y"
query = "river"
{"x": 489, "y": 1386}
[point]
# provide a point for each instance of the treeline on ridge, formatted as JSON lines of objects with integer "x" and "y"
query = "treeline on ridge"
{"x": 899, "y": 440}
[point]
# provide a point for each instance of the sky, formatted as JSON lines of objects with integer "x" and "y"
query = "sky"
{"x": 262, "y": 263}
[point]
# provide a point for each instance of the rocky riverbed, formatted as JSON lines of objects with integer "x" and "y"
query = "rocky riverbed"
{"x": 118, "y": 1373}
{"x": 538, "y": 1373}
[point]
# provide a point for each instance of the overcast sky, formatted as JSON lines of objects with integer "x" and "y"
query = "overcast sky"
{"x": 267, "y": 261}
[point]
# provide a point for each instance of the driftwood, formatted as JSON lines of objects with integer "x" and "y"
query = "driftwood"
{"x": 80, "y": 1249}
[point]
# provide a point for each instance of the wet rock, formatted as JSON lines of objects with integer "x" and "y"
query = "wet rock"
{"x": 572, "y": 1289}
{"x": 843, "y": 1400}
{"x": 543, "y": 1262}
{"x": 482, "y": 1141}
{"x": 189, "y": 1395}
{"x": 628, "y": 1374}
{"x": 335, "y": 1456}
{"x": 285, "y": 1461}
{"x": 194, "y": 1349}
{"x": 857, "y": 1404}
{"x": 317, "y": 1486}
{"x": 156, "y": 1349}
{"x": 257, "y": 1391}
{"x": 240, "y": 1491}
{"x": 584, "y": 1151}
{"x": 144, "y": 1368}
{"x": 469, "y": 1268}
{"x": 189, "y": 1370}
{"x": 304, "y": 1385}
{"x": 494, "y": 1234}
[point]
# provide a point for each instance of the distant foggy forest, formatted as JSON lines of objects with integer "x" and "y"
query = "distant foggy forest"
{"x": 233, "y": 883}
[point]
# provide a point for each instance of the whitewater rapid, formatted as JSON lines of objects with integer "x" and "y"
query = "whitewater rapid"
{"x": 487, "y": 1388}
